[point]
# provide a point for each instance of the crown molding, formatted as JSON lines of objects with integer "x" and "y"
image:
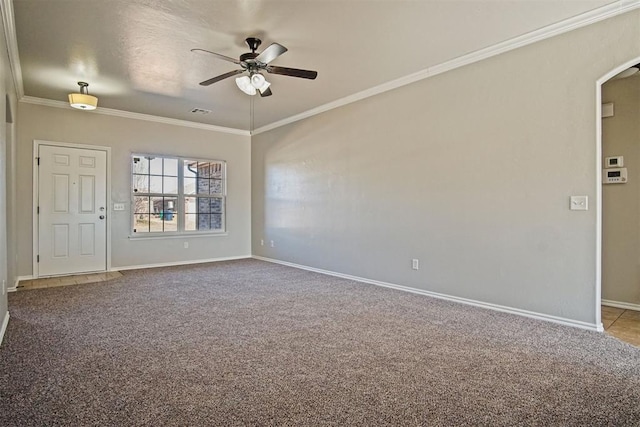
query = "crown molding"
{"x": 570, "y": 24}
{"x": 137, "y": 116}
{"x": 608, "y": 11}
{"x": 12, "y": 46}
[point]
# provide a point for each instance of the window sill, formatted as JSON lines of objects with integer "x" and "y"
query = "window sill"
{"x": 175, "y": 236}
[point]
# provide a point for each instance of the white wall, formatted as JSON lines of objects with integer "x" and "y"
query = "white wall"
{"x": 12, "y": 211}
{"x": 7, "y": 146}
{"x": 469, "y": 171}
{"x": 126, "y": 136}
{"x": 621, "y": 202}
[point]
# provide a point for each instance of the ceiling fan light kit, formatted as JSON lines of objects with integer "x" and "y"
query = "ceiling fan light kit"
{"x": 254, "y": 63}
{"x": 259, "y": 82}
{"x": 82, "y": 100}
{"x": 250, "y": 85}
{"x": 244, "y": 83}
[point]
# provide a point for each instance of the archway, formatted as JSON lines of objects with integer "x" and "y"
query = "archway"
{"x": 599, "y": 188}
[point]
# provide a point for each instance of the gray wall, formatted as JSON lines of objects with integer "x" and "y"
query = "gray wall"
{"x": 621, "y": 203}
{"x": 126, "y": 136}
{"x": 469, "y": 171}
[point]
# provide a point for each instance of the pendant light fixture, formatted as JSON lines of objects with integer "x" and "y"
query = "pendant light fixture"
{"x": 82, "y": 100}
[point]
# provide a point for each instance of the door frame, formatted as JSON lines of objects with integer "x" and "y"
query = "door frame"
{"x": 36, "y": 231}
{"x": 602, "y": 80}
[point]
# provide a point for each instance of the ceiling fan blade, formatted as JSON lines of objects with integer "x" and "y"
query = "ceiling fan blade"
{"x": 266, "y": 92}
{"x": 270, "y": 53}
{"x": 217, "y": 55}
{"x": 220, "y": 77}
{"x": 293, "y": 72}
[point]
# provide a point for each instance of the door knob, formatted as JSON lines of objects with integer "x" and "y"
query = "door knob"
{"x": 101, "y": 217}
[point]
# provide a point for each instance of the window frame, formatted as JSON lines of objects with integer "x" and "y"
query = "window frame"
{"x": 180, "y": 196}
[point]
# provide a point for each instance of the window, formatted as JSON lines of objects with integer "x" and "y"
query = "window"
{"x": 177, "y": 195}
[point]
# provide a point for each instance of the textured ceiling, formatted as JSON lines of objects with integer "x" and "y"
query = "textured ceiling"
{"x": 136, "y": 55}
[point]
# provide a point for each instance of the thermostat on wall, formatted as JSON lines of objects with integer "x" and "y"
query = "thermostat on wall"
{"x": 614, "y": 162}
{"x": 614, "y": 176}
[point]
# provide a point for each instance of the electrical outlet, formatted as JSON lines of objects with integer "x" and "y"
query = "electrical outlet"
{"x": 415, "y": 264}
{"x": 261, "y": 242}
{"x": 186, "y": 245}
{"x": 272, "y": 244}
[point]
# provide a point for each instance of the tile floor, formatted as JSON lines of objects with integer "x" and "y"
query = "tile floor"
{"x": 622, "y": 324}
{"x": 52, "y": 282}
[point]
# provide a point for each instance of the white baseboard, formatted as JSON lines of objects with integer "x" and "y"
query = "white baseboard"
{"x": 141, "y": 266}
{"x": 496, "y": 307}
{"x": 18, "y": 280}
{"x": 618, "y": 304}
{"x": 173, "y": 264}
{"x": 5, "y": 323}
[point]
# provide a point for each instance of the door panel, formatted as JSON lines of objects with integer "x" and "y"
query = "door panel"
{"x": 72, "y": 186}
{"x": 87, "y": 194}
{"x": 60, "y": 193}
{"x": 87, "y": 239}
{"x": 61, "y": 159}
{"x": 60, "y": 240}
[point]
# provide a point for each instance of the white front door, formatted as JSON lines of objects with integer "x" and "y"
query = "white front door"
{"x": 72, "y": 202}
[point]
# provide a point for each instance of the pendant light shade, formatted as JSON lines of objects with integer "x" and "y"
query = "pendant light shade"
{"x": 244, "y": 83}
{"x": 250, "y": 85}
{"x": 82, "y": 100}
{"x": 259, "y": 82}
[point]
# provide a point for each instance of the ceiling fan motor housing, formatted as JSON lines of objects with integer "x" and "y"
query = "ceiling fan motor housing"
{"x": 248, "y": 57}
{"x": 248, "y": 62}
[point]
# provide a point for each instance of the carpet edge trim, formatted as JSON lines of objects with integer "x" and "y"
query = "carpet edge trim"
{"x": 176, "y": 263}
{"x": 620, "y": 304}
{"x": 5, "y": 323}
{"x": 467, "y": 301}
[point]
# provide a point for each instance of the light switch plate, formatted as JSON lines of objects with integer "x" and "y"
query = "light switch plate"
{"x": 118, "y": 206}
{"x": 579, "y": 203}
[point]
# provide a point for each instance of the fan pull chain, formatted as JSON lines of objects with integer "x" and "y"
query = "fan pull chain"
{"x": 251, "y": 115}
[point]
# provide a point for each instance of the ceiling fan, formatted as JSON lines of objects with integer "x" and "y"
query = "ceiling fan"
{"x": 254, "y": 63}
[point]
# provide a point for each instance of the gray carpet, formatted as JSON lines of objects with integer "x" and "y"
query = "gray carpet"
{"x": 252, "y": 343}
